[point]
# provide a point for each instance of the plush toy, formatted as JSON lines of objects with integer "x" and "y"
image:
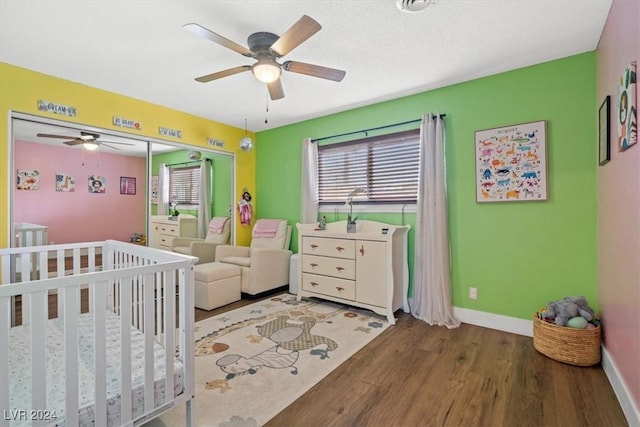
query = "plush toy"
{"x": 561, "y": 311}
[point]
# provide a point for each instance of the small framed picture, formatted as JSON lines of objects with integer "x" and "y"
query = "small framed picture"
{"x": 604, "y": 123}
{"x": 127, "y": 185}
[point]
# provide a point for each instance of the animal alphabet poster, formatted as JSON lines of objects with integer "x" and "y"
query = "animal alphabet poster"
{"x": 511, "y": 163}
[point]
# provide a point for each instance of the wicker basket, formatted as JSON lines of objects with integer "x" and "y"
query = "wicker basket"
{"x": 580, "y": 347}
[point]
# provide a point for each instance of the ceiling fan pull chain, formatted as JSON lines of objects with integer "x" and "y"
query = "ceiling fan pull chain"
{"x": 266, "y": 114}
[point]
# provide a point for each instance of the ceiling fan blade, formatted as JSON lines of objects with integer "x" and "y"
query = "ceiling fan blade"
{"x": 224, "y": 73}
{"x": 49, "y": 135}
{"x": 275, "y": 90}
{"x": 113, "y": 142}
{"x": 200, "y": 31}
{"x": 74, "y": 142}
{"x": 294, "y": 36}
{"x": 314, "y": 70}
{"x": 110, "y": 146}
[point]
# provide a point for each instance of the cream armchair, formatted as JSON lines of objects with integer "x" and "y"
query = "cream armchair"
{"x": 265, "y": 264}
{"x": 204, "y": 249}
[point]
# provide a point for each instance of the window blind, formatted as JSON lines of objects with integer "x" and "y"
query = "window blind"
{"x": 387, "y": 166}
{"x": 184, "y": 185}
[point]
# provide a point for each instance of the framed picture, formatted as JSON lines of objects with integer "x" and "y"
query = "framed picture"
{"x": 627, "y": 109}
{"x": 511, "y": 163}
{"x": 604, "y": 122}
{"x": 65, "y": 182}
{"x": 28, "y": 179}
{"x": 127, "y": 185}
{"x": 97, "y": 184}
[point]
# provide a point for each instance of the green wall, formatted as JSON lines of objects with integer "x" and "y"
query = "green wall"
{"x": 221, "y": 165}
{"x": 519, "y": 255}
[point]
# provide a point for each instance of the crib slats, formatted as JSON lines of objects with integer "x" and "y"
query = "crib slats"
{"x": 60, "y": 273}
{"x": 125, "y": 343}
{"x": 144, "y": 298}
{"x": 149, "y": 335}
{"x": 37, "y": 333}
{"x": 25, "y": 270}
{"x": 99, "y": 295}
{"x": 5, "y": 324}
{"x": 169, "y": 328}
{"x": 70, "y": 295}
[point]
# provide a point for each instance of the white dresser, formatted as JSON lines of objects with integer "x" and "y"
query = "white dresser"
{"x": 367, "y": 269}
{"x": 162, "y": 230}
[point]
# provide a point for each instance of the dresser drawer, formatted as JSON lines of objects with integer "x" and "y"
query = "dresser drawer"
{"x": 335, "y": 267}
{"x": 165, "y": 241}
{"x": 170, "y": 229}
{"x": 326, "y": 246}
{"x": 339, "y": 288}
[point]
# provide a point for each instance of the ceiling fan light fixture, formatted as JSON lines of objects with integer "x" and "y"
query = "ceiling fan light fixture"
{"x": 413, "y": 6}
{"x": 266, "y": 70}
{"x": 90, "y": 145}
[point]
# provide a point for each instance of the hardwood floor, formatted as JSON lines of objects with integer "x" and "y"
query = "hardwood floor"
{"x": 420, "y": 375}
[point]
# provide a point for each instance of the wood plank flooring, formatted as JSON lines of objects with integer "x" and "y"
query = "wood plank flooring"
{"x": 414, "y": 374}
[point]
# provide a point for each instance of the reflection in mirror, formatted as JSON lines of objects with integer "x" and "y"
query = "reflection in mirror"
{"x": 176, "y": 196}
{"x": 64, "y": 192}
{"x": 75, "y": 184}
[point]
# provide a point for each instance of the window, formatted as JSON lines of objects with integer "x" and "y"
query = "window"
{"x": 386, "y": 166}
{"x": 184, "y": 185}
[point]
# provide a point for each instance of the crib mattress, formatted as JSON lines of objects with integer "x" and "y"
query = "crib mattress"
{"x": 20, "y": 371}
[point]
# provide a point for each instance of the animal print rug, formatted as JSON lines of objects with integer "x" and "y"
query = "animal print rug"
{"x": 253, "y": 362}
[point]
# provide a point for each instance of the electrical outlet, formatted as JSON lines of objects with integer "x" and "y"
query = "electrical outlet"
{"x": 473, "y": 293}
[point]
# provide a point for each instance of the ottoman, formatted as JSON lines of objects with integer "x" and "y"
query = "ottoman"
{"x": 216, "y": 284}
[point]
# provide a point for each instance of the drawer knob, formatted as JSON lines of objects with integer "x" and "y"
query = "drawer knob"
{"x": 362, "y": 250}
{"x": 313, "y": 283}
{"x": 313, "y": 265}
{"x": 314, "y": 246}
{"x": 339, "y": 249}
{"x": 339, "y": 289}
{"x": 340, "y": 269}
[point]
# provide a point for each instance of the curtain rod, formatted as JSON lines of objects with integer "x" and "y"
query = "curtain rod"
{"x": 186, "y": 163}
{"x": 369, "y": 130}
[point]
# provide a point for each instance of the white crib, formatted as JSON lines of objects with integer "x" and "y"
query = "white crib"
{"x": 113, "y": 363}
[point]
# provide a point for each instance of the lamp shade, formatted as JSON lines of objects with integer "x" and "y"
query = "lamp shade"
{"x": 89, "y": 145}
{"x": 266, "y": 70}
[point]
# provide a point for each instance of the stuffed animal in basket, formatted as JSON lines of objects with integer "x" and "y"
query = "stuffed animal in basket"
{"x": 561, "y": 311}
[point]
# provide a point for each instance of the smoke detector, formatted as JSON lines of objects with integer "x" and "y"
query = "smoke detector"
{"x": 412, "y": 6}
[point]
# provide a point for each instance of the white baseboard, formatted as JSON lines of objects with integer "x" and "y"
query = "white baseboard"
{"x": 494, "y": 321}
{"x": 525, "y": 327}
{"x": 621, "y": 391}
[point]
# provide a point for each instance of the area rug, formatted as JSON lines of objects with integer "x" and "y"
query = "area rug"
{"x": 253, "y": 362}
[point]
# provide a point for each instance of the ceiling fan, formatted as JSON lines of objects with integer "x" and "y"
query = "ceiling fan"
{"x": 267, "y": 48}
{"x": 87, "y": 139}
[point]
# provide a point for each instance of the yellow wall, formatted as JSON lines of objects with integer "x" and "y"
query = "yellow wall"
{"x": 20, "y": 90}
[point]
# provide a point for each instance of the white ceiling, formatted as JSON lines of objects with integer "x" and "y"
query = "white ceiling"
{"x": 140, "y": 49}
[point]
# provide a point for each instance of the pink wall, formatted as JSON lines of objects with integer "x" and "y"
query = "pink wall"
{"x": 619, "y": 206}
{"x": 80, "y": 216}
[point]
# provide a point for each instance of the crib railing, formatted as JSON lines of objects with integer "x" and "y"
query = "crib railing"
{"x": 139, "y": 284}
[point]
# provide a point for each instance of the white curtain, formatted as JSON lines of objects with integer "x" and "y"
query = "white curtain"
{"x": 163, "y": 189}
{"x": 204, "y": 210}
{"x": 309, "y": 193}
{"x": 431, "y": 299}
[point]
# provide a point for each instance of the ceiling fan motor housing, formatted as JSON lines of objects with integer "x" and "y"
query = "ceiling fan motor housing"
{"x": 259, "y": 43}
